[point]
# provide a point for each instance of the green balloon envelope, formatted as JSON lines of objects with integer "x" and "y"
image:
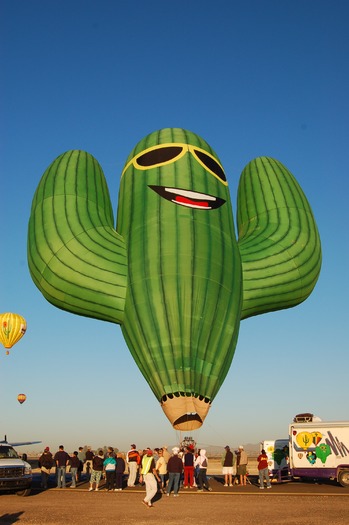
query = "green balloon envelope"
{"x": 172, "y": 273}
{"x": 184, "y": 292}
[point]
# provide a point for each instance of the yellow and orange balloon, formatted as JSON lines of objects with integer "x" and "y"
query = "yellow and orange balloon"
{"x": 21, "y": 398}
{"x": 12, "y": 329}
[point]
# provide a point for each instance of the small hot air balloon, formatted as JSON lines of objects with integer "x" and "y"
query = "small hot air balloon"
{"x": 21, "y": 398}
{"x": 12, "y": 329}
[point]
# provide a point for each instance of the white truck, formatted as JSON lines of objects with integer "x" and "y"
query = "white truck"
{"x": 319, "y": 449}
{"x": 15, "y": 472}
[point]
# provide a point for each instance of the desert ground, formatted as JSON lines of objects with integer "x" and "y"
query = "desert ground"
{"x": 58, "y": 507}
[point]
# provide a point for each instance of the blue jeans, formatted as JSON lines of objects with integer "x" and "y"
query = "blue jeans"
{"x": 163, "y": 481}
{"x": 202, "y": 479}
{"x": 73, "y": 471}
{"x": 44, "y": 479}
{"x": 173, "y": 479}
{"x": 264, "y": 473}
{"x": 61, "y": 477}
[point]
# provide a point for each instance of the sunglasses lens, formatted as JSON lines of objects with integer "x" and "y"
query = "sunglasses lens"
{"x": 211, "y": 164}
{"x": 159, "y": 156}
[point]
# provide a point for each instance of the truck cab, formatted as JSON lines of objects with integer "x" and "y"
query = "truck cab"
{"x": 15, "y": 472}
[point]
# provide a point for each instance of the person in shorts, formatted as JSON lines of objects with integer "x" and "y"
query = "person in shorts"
{"x": 227, "y": 466}
{"x": 97, "y": 470}
{"x": 242, "y": 468}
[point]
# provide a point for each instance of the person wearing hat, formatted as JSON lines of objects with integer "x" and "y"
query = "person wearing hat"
{"x": 46, "y": 463}
{"x": 227, "y": 465}
{"x": 133, "y": 460}
{"x": 174, "y": 469}
{"x": 242, "y": 468}
{"x": 150, "y": 477}
{"x": 263, "y": 470}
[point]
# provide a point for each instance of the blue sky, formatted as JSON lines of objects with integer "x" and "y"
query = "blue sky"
{"x": 252, "y": 78}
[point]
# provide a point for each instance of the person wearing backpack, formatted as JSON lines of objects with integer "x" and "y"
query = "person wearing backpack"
{"x": 202, "y": 462}
{"x": 97, "y": 470}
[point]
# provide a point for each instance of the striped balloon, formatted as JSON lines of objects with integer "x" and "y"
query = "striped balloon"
{"x": 12, "y": 329}
{"x": 172, "y": 274}
{"x": 21, "y": 398}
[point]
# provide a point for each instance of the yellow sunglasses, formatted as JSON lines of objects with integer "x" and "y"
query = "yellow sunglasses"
{"x": 167, "y": 153}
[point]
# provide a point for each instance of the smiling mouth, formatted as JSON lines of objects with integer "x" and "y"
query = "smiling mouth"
{"x": 190, "y": 199}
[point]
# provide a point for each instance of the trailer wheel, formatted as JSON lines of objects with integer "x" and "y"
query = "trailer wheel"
{"x": 343, "y": 478}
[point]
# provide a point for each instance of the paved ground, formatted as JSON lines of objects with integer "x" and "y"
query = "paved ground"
{"x": 286, "y": 504}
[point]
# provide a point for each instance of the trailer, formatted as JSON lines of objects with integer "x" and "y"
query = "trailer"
{"x": 277, "y": 451}
{"x": 319, "y": 449}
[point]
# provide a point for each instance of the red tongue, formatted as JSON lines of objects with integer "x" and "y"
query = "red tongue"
{"x": 203, "y": 204}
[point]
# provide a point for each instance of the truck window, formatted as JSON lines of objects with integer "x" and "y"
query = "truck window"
{"x": 8, "y": 452}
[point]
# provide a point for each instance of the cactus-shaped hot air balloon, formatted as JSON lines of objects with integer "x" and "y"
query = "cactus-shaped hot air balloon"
{"x": 12, "y": 329}
{"x": 172, "y": 273}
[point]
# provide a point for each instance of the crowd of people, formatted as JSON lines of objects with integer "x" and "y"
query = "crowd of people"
{"x": 157, "y": 470}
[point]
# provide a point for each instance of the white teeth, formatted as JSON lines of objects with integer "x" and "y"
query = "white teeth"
{"x": 191, "y": 194}
{"x": 192, "y": 205}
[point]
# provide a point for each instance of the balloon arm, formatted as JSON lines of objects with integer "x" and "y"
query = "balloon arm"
{"x": 278, "y": 239}
{"x": 76, "y": 258}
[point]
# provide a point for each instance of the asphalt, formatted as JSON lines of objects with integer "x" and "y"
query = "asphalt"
{"x": 299, "y": 487}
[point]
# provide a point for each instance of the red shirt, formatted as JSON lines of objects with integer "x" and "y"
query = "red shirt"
{"x": 262, "y": 461}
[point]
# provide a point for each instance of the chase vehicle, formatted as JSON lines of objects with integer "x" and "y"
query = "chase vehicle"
{"x": 15, "y": 471}
{"x": 319, "y": 449}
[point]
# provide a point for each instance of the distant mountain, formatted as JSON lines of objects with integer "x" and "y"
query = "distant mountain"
{"x": 217, "y": 450}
